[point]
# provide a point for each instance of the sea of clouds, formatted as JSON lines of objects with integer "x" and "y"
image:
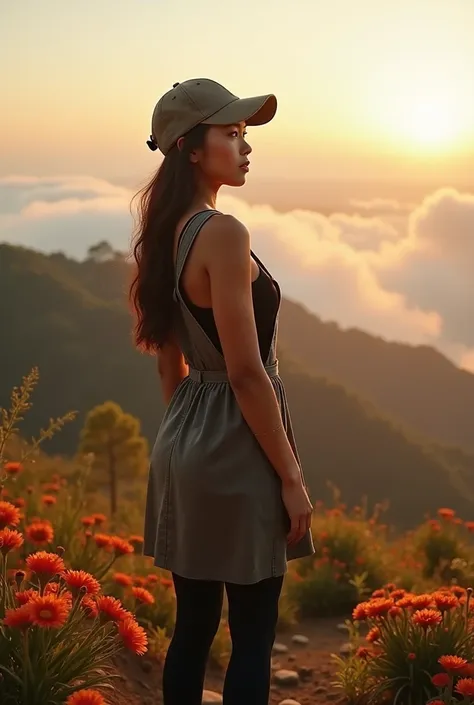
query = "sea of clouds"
{"x": 402, "y": 271}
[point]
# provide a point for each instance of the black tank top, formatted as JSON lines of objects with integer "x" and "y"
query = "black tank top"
{"x": 265, "y": 307}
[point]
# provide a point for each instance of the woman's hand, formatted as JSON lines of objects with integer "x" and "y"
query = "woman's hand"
{"x": 299, "y": 508}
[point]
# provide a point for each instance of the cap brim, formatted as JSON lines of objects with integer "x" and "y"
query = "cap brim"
{"x": 253, "y": 111}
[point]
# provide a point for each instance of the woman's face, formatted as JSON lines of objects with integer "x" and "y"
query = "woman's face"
{"x": 224, "y": 157}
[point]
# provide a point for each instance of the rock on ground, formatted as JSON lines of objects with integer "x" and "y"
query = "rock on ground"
{"x": 286, "y": 677}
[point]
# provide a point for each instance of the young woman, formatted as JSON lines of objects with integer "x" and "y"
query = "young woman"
{"x": 227, "y": 503}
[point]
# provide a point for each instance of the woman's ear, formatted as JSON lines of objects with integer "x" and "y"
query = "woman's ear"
{"x": 180, "y": 144}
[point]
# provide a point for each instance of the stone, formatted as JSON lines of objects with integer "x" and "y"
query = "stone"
{"x": 288, "y": 701}
{"x": 320, "y": 690}
{"x": 280, "y": 648}
{"x": 209, "y": 697}
{"x": 291, "y": 657}
{"x": 305, "y": 672}
{"x": 346, "y": 649}
{"x": 334, "y": 697}
{"x": 285, "y": 677}
{"x": 300, "y": 639}
{"x": 276, "y": 665}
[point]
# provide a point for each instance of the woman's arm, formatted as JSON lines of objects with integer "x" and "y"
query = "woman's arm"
{"x": 171, "y": 368}
{"x": 228, "y": 263}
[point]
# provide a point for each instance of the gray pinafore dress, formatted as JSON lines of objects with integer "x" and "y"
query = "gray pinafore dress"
{"x": 214, "y": 509}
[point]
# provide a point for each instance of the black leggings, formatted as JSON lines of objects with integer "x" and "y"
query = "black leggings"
{"x": 253, "y": 614}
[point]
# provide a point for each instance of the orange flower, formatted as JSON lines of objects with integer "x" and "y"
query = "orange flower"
{"x": 102, "y": 540}
{"x": 25, "y": 596}
{"x": 123, "y": 579}
{"x": 446, "y": 513}
{"x": 85, "y": 697}
{"x": 133, "y": 636}
{"x": 99, "y": 518}
{"x": 152, "y": 579}
{"x": 441, "y": 680}
{"x": 398, "y": 594}
{"x": 78, "y": 579}
{"x": 10, "y": 540}
{"x": 422, "y": 602}
{"x": 373, "y": 635}
{"x": 465, "y": 687}
{"x": 390, "y": 587}
{"x": 48, "y": 499}
{"x": 121, "y": 546}
{"x": 111, "y": 608}
{"x": 49, "y": 610}
{"x": 436, "y": 702}
{"x": 469, "y": 525}
{"x": 139, "y": 581}
{"x": 87, "y": 521}
{"x": 136, "y": 539}
{"x": 18, "y": 502}
{"x": 379, "y": 607}
{"x": 468, "y": 671}
{"x": 89, "y": 606}
{"x": 395, "y": 611}
{"x": 143, "y": 595}
{"x": 363, "y": 653}
{"x": 9, "y": 515}
{"x": 45, "y": 564}
{"x": 359, "y": 613}
{"x": 12, "y": 468}
{"x": 452, "y": 664}
{"x": 19, "y": 618}
{"x": 445, "y": 600}
{"x": 378, "y": 593}
{"x": 167, "y": 582}
{"x": 427, "y": 618}
{"x": 457, "y": 590}
{"x": 51, "y": 487}
{"x": 39, "y": 532}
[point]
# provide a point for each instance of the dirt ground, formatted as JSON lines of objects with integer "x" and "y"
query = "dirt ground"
{"x": 139, "y": 682}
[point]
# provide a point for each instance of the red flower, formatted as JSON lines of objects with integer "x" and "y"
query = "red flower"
{"x": 85, "y": 697}
{"x": 441, "y": 680}
{"x": 49, "y": 499}
{"x": 446, "y": 513}
{"x": 378, "y": 593}
{"x": 19, "y": 618}
{"x": 102, "y": 540}
{"x": 12, "y": 468}
{"x": 465, "y": 687}
{"x": 122, "y": 579}
{"x": 452, "y": 664}
{"x": 46, "y": 564}
{"x": 78, "y": 579}
{"x": 99, "y": 518}
{"x": 133, "y": 636}
{"x": 422, "y": 602}
{"x": 445, "y": 600}
{"x": 40, "y": 532}
{"x": 427, "y": 618}
{"x": 9, "y": 515}
{"x": 359, "y": 613}
{"x": 373, "y": 635}
{"x": 89, "y": 606}
{"x": 363, "y": 653}
{"x": 142, "y": 595}
{"x": 10, "y": 540}
{"x": 469, "y": 525}
{"x": 121, "y": 546}
{"x": 25, "y": 596}
{"x": 87, "y": 521}
{"x": 51, "y": 487}
{"x": 49, "y": 610}
{"x": 111, "y": 608}
{"x": 379, "y": 607}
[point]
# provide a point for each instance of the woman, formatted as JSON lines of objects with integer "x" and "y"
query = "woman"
{"x": 226, "y": 503}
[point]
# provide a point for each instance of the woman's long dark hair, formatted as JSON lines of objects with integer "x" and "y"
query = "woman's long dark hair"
{"x": 162, "y": 202}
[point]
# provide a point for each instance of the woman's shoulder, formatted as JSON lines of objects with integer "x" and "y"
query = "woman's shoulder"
{"x": 225, "y": 230}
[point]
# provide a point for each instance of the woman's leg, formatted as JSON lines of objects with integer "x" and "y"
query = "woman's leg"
{"x": 198, "y": 613}
{"x": 253, "y": 615}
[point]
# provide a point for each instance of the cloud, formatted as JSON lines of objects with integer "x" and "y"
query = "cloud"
{"x": 407, "y": 276}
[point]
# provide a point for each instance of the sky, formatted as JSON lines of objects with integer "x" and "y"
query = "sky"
{"x": 377, "y": 90}
{"x": 360, "y": 197}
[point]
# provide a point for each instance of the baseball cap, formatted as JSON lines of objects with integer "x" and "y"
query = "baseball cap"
{"x": 201, "y": 100}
